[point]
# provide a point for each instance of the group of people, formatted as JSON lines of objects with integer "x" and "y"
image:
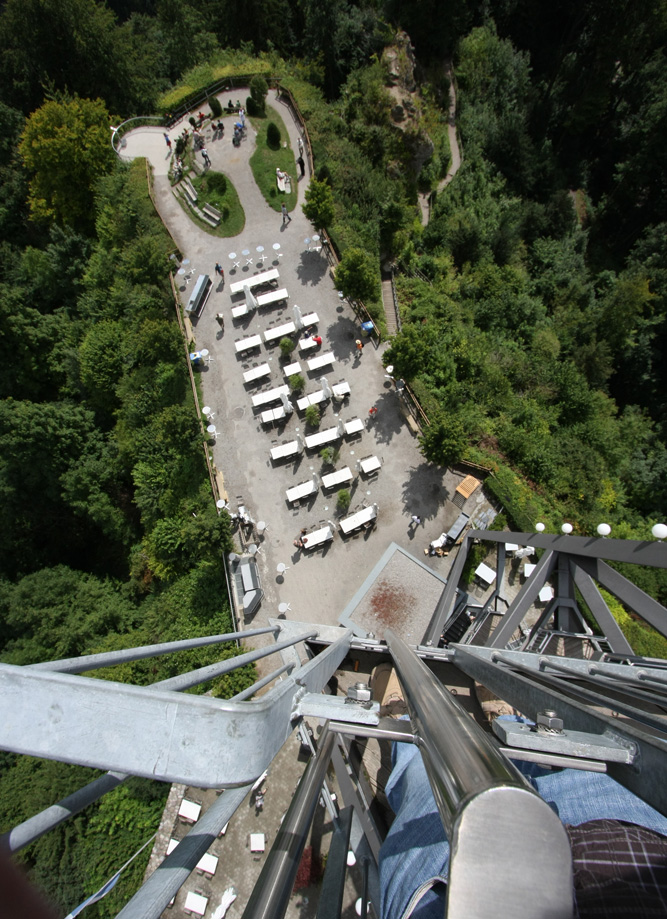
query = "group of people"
{"x": 301, "y": 541}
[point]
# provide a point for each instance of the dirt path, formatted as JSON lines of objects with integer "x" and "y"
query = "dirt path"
{"x": 454, "y": 147}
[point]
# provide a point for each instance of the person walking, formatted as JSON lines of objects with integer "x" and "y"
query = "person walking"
{"x": 302, "y": 166}
{"x": 286, "y": 216}
{"x": 360, "y": 347}
{"x": 168, "y": 141}
{"x": 205, "y": 156}
{"x": 220, "y": 319}
{"x": 220, "y": 270}
{"x": 415, "y": 520}
{"x": 300, "y": 145}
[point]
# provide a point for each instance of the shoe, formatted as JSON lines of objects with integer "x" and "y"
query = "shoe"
{"x": 387, "y": 691}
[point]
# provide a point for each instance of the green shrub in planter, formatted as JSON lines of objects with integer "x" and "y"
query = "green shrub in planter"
{"x": 215, "y": 106}
{"x": 343, "y": 500}
{"x": 273, "y": 136}
{"x": 287, "y": 346}
{"x": 296, "y": 382}
{"x": 313, "y": 416}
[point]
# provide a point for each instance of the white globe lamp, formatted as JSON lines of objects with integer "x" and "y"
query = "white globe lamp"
{"x": 539, "y": 527}
{"x": 659, "y": 531}
{"x": 604, "y": 529}
{"x": 567, "y": 528}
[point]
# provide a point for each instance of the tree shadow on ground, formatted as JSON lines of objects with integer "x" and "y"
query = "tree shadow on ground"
{"x": 388, "y": 420}
{"x": 312, "y": 268}
{"x": 424, "y": 491}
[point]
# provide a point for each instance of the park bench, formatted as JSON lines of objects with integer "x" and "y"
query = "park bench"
{"x": 189, "y": 190}
{"x": 211, "y": 215}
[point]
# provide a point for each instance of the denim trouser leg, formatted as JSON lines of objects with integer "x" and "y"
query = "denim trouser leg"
{"x": 416, "y": 848}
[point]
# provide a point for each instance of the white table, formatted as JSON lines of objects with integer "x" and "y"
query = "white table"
{"x": 321, "y": 360}
{"x": 241, "y": 310}
{"x": 486, "y": 574}
{"x": 256, "y": 373}
{"x": 360, "y": 519}
{"x": 355, "y": 426}
{"x": 340, "y": 390}
{"x": 547, "y": 593}
{"x": 322, "y": 437}
{"x": 317, "y": 537}
{"x": 265, "y": 277}
{"x": 291, "y": 369}
{"x": 528, "y": 569}
{"x": 257, "y": 842}
{"x": 273, "y": 414}
{"x": 511, "y": 547}
{"x": 271, "y": 395}
{"x": 337, "y": 477}
{"x": 189, "y": 810}
{"x": 195, "y": 903}
{"x": 279, "y": 331}
{"x": 370, "y": 464}
{"x": 307, "y": 343}
{"x": 245, "y": 344}
{"x": 275, "y": 296}
{"x": 313, "y": 399}
{"x": 310, "y": 319}
{"x": 284, "y": 450}
{"x": 301, "y": 491}
{"x": 208, "y": 863}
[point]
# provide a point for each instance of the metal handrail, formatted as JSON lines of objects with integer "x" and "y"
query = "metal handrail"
{"x": 490, "y": 814}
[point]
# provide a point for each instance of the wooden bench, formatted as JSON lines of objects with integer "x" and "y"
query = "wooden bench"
{"x": 211, "y": 215}
{"x": 189, "y": 190}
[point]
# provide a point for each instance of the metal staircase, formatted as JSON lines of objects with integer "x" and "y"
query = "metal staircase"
{"x": 600, "y": 708}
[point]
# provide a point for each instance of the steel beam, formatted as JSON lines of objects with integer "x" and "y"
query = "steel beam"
{"x": 523, "y": 601}
{"x": 614, "y": 550}
{"x": 445, "y": 604}
{"x": 528, "y": 696}
{"x": 625, "y": 591}
{"x": 593, "y": 599}
{"x": 154, "y": 895}
{"x": 154, "y": 732}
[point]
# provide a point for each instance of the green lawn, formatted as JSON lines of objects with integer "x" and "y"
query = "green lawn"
{"x": 265, "y": 160}
{"x": 222, "y": 196}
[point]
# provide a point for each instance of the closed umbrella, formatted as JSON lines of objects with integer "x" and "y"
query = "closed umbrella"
{"x": 299, "y": 440}
{"x": 298, "y": 318}
{"x": 287, "y": 405}
{"x": 340, "y": 427}
{"x": 249, "y": 298}
{"x": 228, "y": 898}
{"x": 326, "y": 389}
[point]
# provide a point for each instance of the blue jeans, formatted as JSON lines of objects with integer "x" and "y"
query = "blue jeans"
{"x": 416, "y": 848}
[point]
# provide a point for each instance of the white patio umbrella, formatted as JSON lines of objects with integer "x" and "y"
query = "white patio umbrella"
{"x": 316, "y": 479}
{"x": 299, "y": 440}
{"x": 326, "y": 389}
{"x": 298, "y": 318}
{"x": 340, "y": 427}
{"x": 228, "y": 898}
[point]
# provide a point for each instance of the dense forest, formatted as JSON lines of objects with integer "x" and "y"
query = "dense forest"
{"x": 533, "y": 303}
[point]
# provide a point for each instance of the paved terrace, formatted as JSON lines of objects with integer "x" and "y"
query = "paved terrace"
{"x": 318, "y": 584}
{"x": 332, "y": 581}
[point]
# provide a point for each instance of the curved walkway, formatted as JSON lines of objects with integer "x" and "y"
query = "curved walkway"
{"x": 319, "y": 586}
